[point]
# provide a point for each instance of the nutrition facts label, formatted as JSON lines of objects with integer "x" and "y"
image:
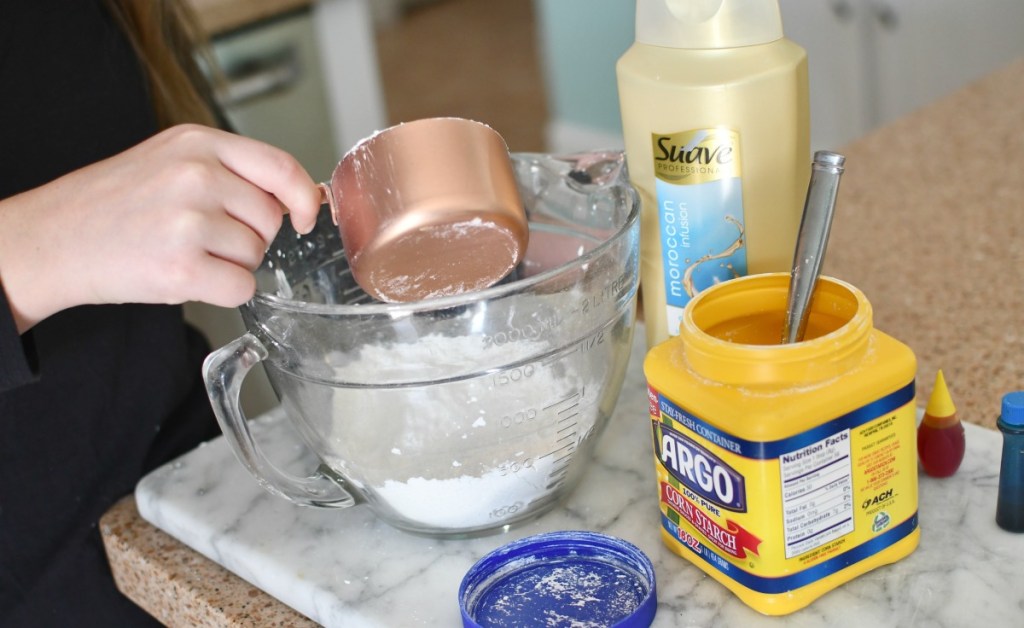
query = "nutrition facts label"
{"x": 817, "y": 493}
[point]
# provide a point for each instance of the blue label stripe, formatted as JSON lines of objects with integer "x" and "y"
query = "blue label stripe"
{"x": 792, "y": 582}
{"x": 766, "y": 450}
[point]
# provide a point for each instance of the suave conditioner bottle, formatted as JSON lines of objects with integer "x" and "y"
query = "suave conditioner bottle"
{"x": 715, "y": 115}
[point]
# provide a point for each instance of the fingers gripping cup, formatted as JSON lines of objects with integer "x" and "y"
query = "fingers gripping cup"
{"x": 428, "y": 209}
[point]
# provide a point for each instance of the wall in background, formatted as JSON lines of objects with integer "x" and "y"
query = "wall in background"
{"x": 580, "y": 42}
{"x": 870, "y": 61}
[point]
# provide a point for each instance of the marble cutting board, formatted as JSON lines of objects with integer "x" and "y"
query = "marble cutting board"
{"x": 345, "y": 568}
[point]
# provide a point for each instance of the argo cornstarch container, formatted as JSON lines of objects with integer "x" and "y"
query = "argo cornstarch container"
{"x": 784, "y": 470}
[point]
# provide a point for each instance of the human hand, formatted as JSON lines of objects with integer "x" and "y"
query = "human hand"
{"x": 184, "y": 216}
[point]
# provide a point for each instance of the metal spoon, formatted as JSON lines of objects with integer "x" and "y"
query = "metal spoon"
{"x": 812, "y": 241}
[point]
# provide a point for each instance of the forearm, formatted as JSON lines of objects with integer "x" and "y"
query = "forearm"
{"x": 31, "y": 256}
{"x": 184, "y": 216}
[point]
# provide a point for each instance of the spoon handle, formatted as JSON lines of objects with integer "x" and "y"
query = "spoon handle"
{"x": 812, "y": 241}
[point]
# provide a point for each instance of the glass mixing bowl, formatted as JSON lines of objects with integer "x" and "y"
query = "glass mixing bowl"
{"x": 454, "y": 416}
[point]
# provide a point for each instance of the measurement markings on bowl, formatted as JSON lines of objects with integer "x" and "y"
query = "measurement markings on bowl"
{"x": 540, "y": 327}
{"x": 615, "y": 289}
{"x": 568, "y": 412}
{"x": 589, "y": 343}
{"x": 353, "y": 294}
{"x": 543, "y": 326}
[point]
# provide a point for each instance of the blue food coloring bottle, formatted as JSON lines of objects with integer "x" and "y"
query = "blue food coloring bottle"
{"x": 1010, "y": 505}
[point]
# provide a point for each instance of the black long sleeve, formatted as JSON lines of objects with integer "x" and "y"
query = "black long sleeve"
{"x": 17, "y": 355}
{"x": 92, "y": 397}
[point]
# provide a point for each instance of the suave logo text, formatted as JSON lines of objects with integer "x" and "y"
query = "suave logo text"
{"x": 695, "y": 157}
{"x": 700, "y": 470}
{"x": 700, "y": 154}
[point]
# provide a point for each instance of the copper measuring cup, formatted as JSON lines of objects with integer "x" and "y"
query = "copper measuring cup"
{"x": 428, "y": 208}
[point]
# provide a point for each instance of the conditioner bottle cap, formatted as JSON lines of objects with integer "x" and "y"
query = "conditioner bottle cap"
{"x": 707, "y": 24}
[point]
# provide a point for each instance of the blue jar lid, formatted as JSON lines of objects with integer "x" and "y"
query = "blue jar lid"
{"x": 1013, "y": 409}
{"x": 566, "y": 578}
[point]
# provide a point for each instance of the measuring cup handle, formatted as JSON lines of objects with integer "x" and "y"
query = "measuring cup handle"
{"x": 224, "y": 370}
{"x": 327, "y": 197}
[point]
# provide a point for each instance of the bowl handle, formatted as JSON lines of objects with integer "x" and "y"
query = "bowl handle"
{"x": 224, "y": 370}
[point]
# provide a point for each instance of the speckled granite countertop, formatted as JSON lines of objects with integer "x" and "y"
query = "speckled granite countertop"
{"x": 929, "y": 225}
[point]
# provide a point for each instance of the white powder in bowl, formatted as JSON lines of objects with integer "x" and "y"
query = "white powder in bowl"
{"x": 467, "y": 453}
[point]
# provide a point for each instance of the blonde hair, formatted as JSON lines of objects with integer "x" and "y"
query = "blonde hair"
{"x": 167, "y": 37}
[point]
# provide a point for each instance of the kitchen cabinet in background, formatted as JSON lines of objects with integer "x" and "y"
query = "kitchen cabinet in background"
{"x": 273, "y": 88}
{"x": 871, "y": 61}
